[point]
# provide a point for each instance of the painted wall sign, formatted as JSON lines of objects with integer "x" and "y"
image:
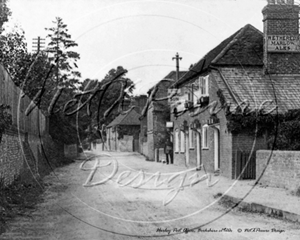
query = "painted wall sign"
{"x": 283, "y": 43}
{"x": 281, "y": 2}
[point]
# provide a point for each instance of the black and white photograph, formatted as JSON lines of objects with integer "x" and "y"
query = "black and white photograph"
{"x": 149, "y": 119}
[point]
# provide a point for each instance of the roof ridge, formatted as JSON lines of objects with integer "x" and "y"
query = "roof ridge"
{"x": 236, "y": 37}
{"x": 217, "y": 54}
{"x": 202, "y": 61}
{"x": 130, "y": 111}
{"x": 254, "y": 28}
{"x": 122, "y": 116}
{"x": 168, "y": 78}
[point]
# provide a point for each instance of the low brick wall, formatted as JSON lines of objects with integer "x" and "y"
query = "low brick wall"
{"x": 98, "y": 147}
{"x": 70, "y": 150}
{"x": 25, "y": 159}
{"x": 161, "y": 155}
{"x": 283, "y": 169}
{"x": 11, "y": 158}
{"x": 144, "y": 148}
{"x": 125, "y": 144}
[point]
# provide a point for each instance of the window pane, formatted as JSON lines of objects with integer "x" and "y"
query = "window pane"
{"x": 182, "y": 141}
{"x": 205, "y": 137}
{"x": 191, "y": 138}
{"x": 206, "y": 85}
{"x": 203, "y": 85}
{"x": 177, "y": 143}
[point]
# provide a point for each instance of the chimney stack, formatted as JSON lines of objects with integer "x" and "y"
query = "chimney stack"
{"x": 281, "y": 37}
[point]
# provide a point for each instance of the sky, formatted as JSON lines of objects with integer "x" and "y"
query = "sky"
{"x": 142, "y": 36}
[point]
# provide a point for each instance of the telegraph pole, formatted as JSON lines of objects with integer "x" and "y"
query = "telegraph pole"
{"x": 177, "y": 58}
{"x": 37, "y": 44}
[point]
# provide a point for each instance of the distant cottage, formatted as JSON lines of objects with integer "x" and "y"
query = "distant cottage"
{"x": 123, "y": 132}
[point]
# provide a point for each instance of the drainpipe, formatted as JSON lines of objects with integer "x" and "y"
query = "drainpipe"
{"x": 187, "y": 147}
{"x": 227, "y": 85}
{"x": 229, "y": 89}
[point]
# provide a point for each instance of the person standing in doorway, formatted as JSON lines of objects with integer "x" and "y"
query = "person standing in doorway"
{"x": 169, "y": 151}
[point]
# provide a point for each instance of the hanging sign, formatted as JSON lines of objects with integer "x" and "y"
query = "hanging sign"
{"x": 169, "y": 124}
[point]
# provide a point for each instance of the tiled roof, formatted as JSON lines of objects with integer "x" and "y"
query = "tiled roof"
{"x": 129, "y": 118}
{"x": 171, "y": 76}
{"x": 250, "y": 84}
{"x": 243, "y": 48}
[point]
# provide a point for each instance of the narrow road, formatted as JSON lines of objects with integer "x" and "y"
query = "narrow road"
{"x": 119, "y": 196}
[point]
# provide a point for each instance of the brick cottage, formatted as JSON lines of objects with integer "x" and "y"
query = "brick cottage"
{"x": 248, "y": 74}
{"x": 122, "y": 133}
{"x": 155, "y": 115}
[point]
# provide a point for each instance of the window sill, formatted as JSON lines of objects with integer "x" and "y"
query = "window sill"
{"x": 205, "y": 148}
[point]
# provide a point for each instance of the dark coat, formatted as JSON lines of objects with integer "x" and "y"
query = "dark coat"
{"x": 168, "y": 147}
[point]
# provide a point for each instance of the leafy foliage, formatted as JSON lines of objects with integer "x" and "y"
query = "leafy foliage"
{"x": 47, "y": 73}
{"x": 4, "y": 13}
{"x": 14, "y": 55}
{"x": 286, "y": 136}
{"x": 5, "y": 118}
{"x": 282, "y": 130}
{"x": 41, "y": 75}
{"x": 128, "y": 130}
{"x": 65, "y": 129}
{"x": 35, "y": 74}
{"x": 28, "y": 71}
{"x": 250, "y": 123}
{"x": 107, "y": 102}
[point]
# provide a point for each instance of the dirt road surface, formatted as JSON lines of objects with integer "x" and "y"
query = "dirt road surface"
{"x": 164, "y": 208}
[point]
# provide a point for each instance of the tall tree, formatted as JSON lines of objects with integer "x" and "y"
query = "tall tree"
{"x": 106, "y": 103}
{"x": 13, "y": 54}
{"x": 61, "y": 54}
{"x": 31, "y": 72}
{"x": 4, "y": 13}
{"x": 114, "y": 90}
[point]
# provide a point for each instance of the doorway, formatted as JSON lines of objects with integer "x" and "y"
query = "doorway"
{"x": 198, "y": 148}
{"x": 216, "y": 148}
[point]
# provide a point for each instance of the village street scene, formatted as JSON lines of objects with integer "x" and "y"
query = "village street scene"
{"x": 141, "y": 127}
